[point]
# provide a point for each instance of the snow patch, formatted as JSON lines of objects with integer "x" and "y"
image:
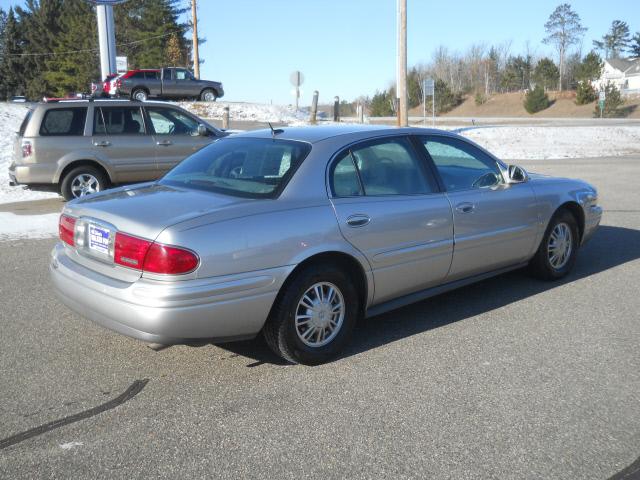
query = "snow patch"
{"x": 11, "y": 116}
{"x": 255, "y": 112}
{"x": 14, "y": 227}
{"x": 70, "y": 445}
{"x": 540, "y": 143}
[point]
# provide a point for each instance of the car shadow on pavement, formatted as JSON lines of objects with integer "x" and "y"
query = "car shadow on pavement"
{"x": 610, "y": 247}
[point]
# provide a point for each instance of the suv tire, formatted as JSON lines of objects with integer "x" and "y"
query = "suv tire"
{"x": 313, "y": 316}
{"x": 81, "y": 181}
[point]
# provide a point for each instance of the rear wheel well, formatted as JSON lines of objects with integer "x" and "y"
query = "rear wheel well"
{"x": 80, "y": 163}
{"x": 345, "y": 262}
{"x": 576, "y": 210}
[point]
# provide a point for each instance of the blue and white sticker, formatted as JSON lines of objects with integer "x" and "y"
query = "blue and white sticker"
{"x": 99, "y": 239}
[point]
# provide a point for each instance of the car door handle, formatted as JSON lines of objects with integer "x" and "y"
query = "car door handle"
{"x": 164, "y": 143}
{"x": 103, "y": 143}
{"x": 358, "y": 220}
{"x": 465, "y": 207}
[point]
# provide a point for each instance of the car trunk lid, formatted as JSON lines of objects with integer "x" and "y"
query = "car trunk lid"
{"x": 148, "y": 210}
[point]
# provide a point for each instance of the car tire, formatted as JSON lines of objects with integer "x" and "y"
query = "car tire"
{"x": 557, "y": 252}
{"x": 82, "y": 181}
{"x": 208, "y": 95}
{"x": 139, "y": 95}
{"x": 327, "y": 327}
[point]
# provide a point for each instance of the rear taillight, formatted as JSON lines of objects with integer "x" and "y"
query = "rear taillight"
{"x": 130, "y": 251}
{"x": 66, "y": 227}
{"x": 169, "y": 260}
{"x": 118, "y": 83}
{"x": 153, "y": 257}
{"x": 27, "y": 149}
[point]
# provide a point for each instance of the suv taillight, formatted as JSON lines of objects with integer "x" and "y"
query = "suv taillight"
{"x": 140, "y": 254}
{"x": 27, "y": 149}
{"x": 66, "y": 226}
{"x": 118, "y": 83}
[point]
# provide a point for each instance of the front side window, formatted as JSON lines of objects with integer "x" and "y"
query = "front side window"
{"x": 64, "y": 121}
{"x": 182, "y": 74}
{"x": 169, "y": 121}
{"x": 383, "y": 167}
{"x": 461, "y": 165}
{"x": 118, "y": 121}
{"x": 245, "y": 167}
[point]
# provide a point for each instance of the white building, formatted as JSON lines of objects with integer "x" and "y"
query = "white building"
{"x": 624, "y": 73}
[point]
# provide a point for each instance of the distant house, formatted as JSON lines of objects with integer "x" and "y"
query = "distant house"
{"x": 623, "y": 72}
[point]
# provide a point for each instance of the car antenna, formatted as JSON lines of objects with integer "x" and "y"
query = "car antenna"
{"x": 274, "y": 132}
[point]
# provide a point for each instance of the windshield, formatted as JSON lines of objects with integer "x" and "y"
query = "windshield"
{"x": 246, "y": 167}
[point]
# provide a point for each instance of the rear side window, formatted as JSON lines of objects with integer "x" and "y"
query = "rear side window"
{"x": 118, "y": 121}
{"x": 137, "y": 75}
{"x": 383, "y": 167}
{"x": 151, "y": 75}
{"x": 64, "y": 121}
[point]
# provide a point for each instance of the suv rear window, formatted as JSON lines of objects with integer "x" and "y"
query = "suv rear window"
{"x": 64, "y": 121}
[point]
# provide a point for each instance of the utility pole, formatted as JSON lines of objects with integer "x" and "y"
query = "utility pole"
{"x": 401, "y": 87}
{"x": 196, "y": 56}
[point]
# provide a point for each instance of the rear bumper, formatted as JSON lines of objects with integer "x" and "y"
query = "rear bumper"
{"x": 33, "y": 173}
{"x": 217, "y": 309}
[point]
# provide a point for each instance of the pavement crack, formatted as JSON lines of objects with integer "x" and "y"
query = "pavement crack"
{"x": 134, "y": 389}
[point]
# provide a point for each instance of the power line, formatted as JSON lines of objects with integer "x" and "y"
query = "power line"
{"x": 88, "y": 50}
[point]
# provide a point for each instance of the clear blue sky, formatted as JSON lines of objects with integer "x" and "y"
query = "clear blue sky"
{"x": 348, "y": 47}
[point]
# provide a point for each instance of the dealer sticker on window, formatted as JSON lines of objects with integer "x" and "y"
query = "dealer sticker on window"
{"x": 99, "y": 239}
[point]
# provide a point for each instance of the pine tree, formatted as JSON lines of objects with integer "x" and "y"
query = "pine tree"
{"x": 73, "y": 72}
{"x": 616, "y": 41}
{"x": 174, "y": 54}
{"x": 536, "y": 100}
{"x": 613, "y": 102}
{"x": 41, "y": 23}
{"x": 546, "y": 73}
{"x": 563, "y": 30}
{"x": 145, "y": 27}
{"x": 634, "y": 46}
{"x": 12, "y": 81}
{"x": 585, "y": 93}
{"x": 590, "y": 68}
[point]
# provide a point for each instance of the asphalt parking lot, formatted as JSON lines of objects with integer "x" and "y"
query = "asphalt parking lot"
{"x": 508, "y": 378}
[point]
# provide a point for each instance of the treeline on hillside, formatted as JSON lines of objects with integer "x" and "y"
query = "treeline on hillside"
{"x": 50, "y": 47}
{"x": 484, "y": 70}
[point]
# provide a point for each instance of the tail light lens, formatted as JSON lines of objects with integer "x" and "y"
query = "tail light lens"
{"x": 153, "y": 257}
{"x": 169, "y": 260}
{"x": 27, "y": 149}
{"x": 118, "y": 83}
{"x": 66, "y": 226}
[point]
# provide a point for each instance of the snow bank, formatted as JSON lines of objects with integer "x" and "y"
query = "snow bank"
{"x": 11, "y": 116}
{"x": 14, "y": 226}
{"x": 538, "y": 143}
{"x": 255, "y": 112}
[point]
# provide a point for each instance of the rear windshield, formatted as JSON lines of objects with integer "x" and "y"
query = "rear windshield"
{"x": 244, "y": 167}
{"x": 64, "y": 121}
{"x": 25, "y": 122}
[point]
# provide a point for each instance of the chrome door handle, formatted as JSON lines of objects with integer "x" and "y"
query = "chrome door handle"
{"x": 164, "y": 143}
{"x": 103, "y": 143}
{"x": 358, "y": 220}
{"x": 465, "y": 207}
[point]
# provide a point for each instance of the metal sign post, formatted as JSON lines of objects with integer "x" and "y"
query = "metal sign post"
{"x": 296, "y": 78}
{"x": 429, "y": 89}
{"x": 106, "y": 35}
{"x": 601, "y": 99}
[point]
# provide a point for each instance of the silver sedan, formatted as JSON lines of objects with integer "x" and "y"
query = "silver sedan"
{"x": 299, "y": 232}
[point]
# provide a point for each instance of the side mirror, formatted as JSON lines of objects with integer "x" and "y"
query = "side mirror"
{"x": 517, "y": 174}
{"x": 202, "y": 130}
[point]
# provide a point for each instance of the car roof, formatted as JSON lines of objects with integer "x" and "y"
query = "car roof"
{"x": 314, "y": 134}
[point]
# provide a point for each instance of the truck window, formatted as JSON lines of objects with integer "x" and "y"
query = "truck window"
{"x": 182, "y": 74}
{"x": 64, "y": 121}
{"x": 151, "y": 75}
